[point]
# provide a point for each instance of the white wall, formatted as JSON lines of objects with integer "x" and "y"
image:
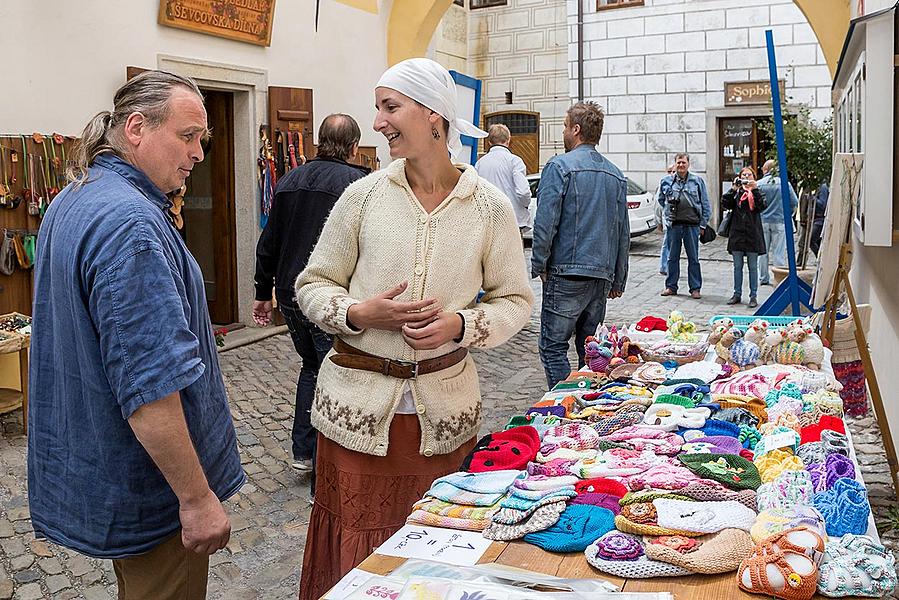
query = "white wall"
{"x": 657, "y": 68}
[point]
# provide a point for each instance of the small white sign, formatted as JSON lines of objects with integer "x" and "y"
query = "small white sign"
{"x": 352, "y": 580}
{"x": 436, "y": 543}
{"x": 779, "y": 440}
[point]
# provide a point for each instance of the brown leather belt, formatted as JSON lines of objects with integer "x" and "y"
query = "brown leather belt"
{"x": 353, "y": 358}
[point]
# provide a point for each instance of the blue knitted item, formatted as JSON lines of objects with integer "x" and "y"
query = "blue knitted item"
{"x": 715, "y": 427}
{"x": 578, "y": 527}
{"x": 845, "y": 507}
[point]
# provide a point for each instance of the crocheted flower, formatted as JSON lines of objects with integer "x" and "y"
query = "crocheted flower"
{"x": 618, "y": 546}
{"x": 641, "y": 512}
{"x": 679, "y": 543}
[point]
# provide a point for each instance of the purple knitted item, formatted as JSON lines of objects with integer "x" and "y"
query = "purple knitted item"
{"x": 838, "y": 466}
{"x": 557, "y": 410}
{"x": 557, "y": 467}
{"x": 819, "y": 476}
{"x": 618, "y": 546}
{"x": 598, "y": 499}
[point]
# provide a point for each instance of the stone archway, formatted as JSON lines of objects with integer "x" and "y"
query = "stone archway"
{"x": 829, "y": 20}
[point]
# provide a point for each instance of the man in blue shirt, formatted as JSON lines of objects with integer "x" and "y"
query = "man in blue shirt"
{"x": 581, "y": 240}
{"x": 773, "y": 221}
{"x": 131, "y": 448}
{"x": 685, "y": 202}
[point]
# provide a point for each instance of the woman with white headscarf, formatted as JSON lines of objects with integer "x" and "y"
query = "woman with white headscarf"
{"x": 394, "y": 277}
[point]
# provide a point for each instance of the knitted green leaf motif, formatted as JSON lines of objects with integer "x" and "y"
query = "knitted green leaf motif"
{"x": 720, "y": 467}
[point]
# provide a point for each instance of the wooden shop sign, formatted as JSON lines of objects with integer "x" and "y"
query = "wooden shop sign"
{"x": 738, "y": 93}
{"x": 242, "y": 20}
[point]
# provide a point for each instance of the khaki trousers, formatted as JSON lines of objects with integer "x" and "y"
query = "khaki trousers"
{"x": 167, "y": 572}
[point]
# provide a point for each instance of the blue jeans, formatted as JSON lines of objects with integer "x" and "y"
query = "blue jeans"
{"x": 776, "y": 244}
{"x": 688, "y": 236}
{"x": 752, "y": 259}
{"x": 570, "y": 306}
{"x": 663, "y": 259}
{"x": 312, "y": 344}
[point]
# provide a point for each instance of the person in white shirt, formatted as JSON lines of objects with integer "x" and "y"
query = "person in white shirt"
{"x": 506, "y": 171}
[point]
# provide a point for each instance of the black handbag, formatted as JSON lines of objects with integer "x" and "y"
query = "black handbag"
{"x": 724, "y": 225}
{"x": 708, "y": 235}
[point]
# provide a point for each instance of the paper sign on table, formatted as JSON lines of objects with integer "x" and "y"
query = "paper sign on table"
{"x": 435, "y": 543}
{"x": 349, "y": 582}
{"x": 779, "y": 440}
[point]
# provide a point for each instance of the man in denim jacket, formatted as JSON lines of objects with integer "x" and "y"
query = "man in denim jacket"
{"x": 581, "y": 240}
{"x": 685, "y": 201}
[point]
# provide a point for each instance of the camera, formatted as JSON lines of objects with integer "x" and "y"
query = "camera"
{"x": 739, "y": 182}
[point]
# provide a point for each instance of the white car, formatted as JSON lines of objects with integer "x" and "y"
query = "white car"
{"x": 640, "y": 207}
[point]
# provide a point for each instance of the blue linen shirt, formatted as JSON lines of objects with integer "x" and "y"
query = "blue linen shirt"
{"x": 774, "y": 211}
{"x": 120, "y": 320}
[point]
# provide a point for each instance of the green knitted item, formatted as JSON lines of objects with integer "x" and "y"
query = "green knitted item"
{"x": 635, "y": 497}
{"x": 603, "y": 445}
{"x": 676, "y": 399}
{"x": 731, "y": 470}
{"x": 680, "y": 381}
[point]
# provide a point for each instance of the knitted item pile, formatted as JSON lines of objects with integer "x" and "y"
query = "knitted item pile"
{"x": 542, "y": 518}
{"x": 518, "y": 510}
{"x": 713, "y": 427}
{"x": 578, "y": 526}
{"x": 438, "y": 513}
{"x": 473, "y": 489}
{"x": 856, "y": 565}
{"x": 641, "y": 438}
{"x": 719, "y": 552}
{"x": 623, "y": 555}
{"x": 702, "y": 517}
{"x": 730, "y": 470}
{"x": 845, "y": 507}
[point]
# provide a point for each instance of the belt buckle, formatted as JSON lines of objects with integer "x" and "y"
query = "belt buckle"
{"x": 408, "y": 363}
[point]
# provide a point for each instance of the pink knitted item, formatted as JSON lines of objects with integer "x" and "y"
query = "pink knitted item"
{"x": 743, "y": 384}
{"x": 554, "y": 468}
{"x": 641, "y": 438}
{"x": 577, "y": 436}
{"x": 664, "y": 477}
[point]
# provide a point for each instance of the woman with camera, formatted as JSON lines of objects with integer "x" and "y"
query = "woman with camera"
{"x": 746, "y": 239}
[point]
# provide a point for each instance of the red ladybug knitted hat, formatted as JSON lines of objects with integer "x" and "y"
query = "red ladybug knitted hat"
{"x": 510, "y": 449}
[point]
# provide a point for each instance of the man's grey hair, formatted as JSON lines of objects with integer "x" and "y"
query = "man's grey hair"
{"x": 498, "y": 135}
{"x": 148, "y": 94}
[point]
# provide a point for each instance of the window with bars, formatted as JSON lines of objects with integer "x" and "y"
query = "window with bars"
{"x": 518, "y": 123}
{"x": 608, "y": 4}
{"x": 486, "y": 3}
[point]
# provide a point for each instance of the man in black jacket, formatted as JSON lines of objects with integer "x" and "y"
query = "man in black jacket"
{"x": 303, "y": 200}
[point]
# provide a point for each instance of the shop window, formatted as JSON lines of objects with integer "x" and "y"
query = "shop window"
{"x": 487, "y": 3}
{"x": 609, "y": 4}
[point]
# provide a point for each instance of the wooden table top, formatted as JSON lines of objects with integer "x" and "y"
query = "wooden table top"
{"x": 575, "y": 566}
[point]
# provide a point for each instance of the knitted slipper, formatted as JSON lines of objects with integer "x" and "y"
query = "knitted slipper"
{"x": 623, "y": 555}
{"x": 845, "y": 507}
{"x": 719, "y": 552}
{"x": 775, "y": 520}
{"x": 834, "y": 442}
{"x": 812, "y": 452}
{"x": 542, "y": 518}
{"x": 783, "y": 566}
{"x": 856, "y": 565}
{"x": 703, "y": 517}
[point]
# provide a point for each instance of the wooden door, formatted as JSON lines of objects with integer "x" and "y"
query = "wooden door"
{"x": 525, "y": 129}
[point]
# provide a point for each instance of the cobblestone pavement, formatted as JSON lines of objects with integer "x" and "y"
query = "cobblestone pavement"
{"x": 271, "y": 513}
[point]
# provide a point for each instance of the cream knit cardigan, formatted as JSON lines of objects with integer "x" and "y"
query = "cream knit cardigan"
{"x": 377, "y": 236}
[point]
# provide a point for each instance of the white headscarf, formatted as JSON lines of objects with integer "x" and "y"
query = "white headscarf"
{"x": 428, "y": 83}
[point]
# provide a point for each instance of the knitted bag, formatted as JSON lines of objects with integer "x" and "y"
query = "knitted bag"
{"x": 576, "y": 529}
{"x": 845, "y": 507}
{"x": 623, "y": 555}
{"x": 509, "y": 449}
{"x": 719, "y": 552}
{"x": 542, "y": 518}
{"x": 856, "y": 565}
{"x": 703, "y": 517}
{"x": 733, "y": 471}
{"x": 774, "y": 520}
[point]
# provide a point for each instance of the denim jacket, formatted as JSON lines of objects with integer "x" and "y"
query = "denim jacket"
{"x": 694, "y": 192}
{"x": 582, "y": 227}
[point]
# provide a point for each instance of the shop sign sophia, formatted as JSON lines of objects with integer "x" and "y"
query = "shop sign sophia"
{"x": 738, "y": 93}
{"x": 242, "y": 20}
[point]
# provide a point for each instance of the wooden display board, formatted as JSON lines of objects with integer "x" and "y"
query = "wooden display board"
{"x": 16, "y": 289}
{"x": 247, "y": 21}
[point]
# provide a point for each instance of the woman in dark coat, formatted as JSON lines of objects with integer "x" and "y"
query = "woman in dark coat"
{"x": 746, "y": 238}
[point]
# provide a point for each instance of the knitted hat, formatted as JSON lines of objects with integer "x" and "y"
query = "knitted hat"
{"x": 856, "y": 565}
{"x": 576, "y": 529}
{"x": 701, "y": 369}
{"x": 640, "y": 519}
{"x": 542, "y": 518}
{"x": 845, "y": 507}
{"x": 515, "y": 509}
{"x": 706, "y": 490}
{"x": 675, "y": 399}
{"x": 719, "y": 552}
{"x": 624, "y": 371}
{"x": 577, "y": 436}
{"x": 740, "y": 416}
{"x": 542, "y": 482}
{"x": 731, "y": 470}
{"x": 716, "y": 427}
{"x": 713, "y": 444}
{"x": 554, "y": 410}
{"x": 473, "y": 489}
{"x": 650, "y": 372}
{"x": 601, "y": 485}
{"x": 617, "y": 421}
{"x": 774, "y": 520}
{"x": 754, "y": 405}
{"x": 623, "y": 555}
{"x": 773, "y": 463}
{"x": 519, "y": 498}
{"x": 650, "y": 323}
{"x": 640, "y": 438}
{"x": 539, "y": 422}
{"x": 510, "y": 449}
{"x": 702, "y": 517}
{"x": 599, "y": 499}
{"x": 787, "y": 490}
{"x": 553, "y": 468}
{"x": 743, "y": 384}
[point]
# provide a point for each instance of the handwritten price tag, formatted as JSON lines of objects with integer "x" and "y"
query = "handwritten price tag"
{"x": 435, "y": 543}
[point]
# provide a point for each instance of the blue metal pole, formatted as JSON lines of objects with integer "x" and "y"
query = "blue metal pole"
{"x": 782, "y": 170}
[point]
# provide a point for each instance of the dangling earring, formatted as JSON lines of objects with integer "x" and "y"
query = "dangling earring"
{"x": 436, "y": 134}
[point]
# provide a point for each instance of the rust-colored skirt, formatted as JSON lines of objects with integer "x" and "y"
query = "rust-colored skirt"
{"x": 361, "y": 500}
